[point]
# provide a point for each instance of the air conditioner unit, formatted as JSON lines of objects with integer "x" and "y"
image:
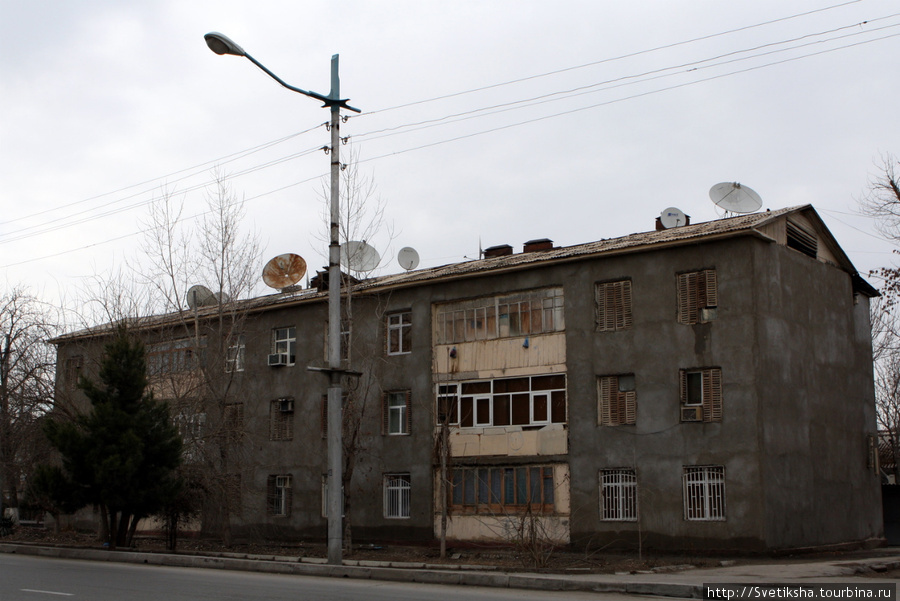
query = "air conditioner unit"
{"x": 707, "y": 314}
{"x": 278, "y": 359}
{"x": 692, "y": 414}
{"x": 287, "y": 405}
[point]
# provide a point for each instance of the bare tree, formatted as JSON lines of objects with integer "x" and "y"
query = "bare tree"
{"x": 882, "y": 202}
{"x": 27, "y": 368}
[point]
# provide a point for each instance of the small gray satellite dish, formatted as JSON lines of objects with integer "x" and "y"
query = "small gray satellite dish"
{"x": 220, "y": 297}
{"x": 408, "y": 258}
{"x": 672, "y": 217}
{"x": 199, "y": 295}
{"x": 735, "y": 198}
{"x": 359, "y": 256}
{"x": 284, "y": 271}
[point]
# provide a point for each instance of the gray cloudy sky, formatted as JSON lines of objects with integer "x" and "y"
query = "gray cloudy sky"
{"x": 483, "y": 122}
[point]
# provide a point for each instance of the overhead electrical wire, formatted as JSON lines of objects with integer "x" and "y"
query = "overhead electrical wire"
{"x": 534, "y": 101}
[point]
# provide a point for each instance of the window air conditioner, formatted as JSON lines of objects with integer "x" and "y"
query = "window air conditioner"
{"x": 278, "y": 359}
{"x": 692, "y": 414}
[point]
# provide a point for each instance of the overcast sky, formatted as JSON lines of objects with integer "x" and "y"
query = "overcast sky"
{"x": 483, "y": 123}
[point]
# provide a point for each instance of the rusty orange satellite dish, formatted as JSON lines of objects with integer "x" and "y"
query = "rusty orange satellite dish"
{"x": 284, "y": 271}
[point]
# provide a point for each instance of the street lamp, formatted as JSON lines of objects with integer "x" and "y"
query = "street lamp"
{"x": 221, "y": 44}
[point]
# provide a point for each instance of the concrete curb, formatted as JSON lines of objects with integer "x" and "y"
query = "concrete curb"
{"x": 365, "y": 570}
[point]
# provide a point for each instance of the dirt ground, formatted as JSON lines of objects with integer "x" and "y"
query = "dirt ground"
{"x": 505, "y": 558}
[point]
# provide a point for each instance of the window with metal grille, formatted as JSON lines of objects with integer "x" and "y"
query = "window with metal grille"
{"x": 524, "y": 401}
{"x": 502, "y": 489}
{"x": 617, "y": 400}
{"x": 281, "y": 419}
{"x": 279, "y": 495}
{"x": 701, "y": 394}
{"x": 618, "y": 495}
{"x": 704, "y": 493}
{"x": 396, "y": 495}
{"x": 613, "y": 306}
{"x": 284, "y": 341}
{"x": 396, "y": 414}
{"x": 697, "y": 296}
{"x": 399, "y": 333}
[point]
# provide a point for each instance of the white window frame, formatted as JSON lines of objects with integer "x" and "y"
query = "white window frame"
{"x": 396, "y": 496}
{"x": 452, "y": 394}
{"x": 284, "y": 340}
{"x": 279, "y": 504}
{"x": 234, "y": 359}
{"x": 618, "y": 495}
{"x": 704, "y": 493}
{"x": 403, "y": 331}
{"x": 397, "y": 410}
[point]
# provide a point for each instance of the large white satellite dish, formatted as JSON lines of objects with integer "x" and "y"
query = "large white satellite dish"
{"x": 284, "y": 271}
{"x": 359, "y": 256}
{"x": 735, "y": 198}
{"x": 672, "y": 217}
{"x": 408, "y": 258}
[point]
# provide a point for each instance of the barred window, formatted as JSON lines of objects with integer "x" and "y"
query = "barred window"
{"x": 613, "y": 301}
{"x": 617, "y": 400}
{"x": 396, "y": 495}
{"x": 697, "y": 296}
{"x": 279, "y": 495}
{"x": 704, "y": 493}
{"x": 618, "y": 495}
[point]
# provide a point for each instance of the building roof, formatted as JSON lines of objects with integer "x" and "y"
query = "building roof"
{"x": 753, "y": 224}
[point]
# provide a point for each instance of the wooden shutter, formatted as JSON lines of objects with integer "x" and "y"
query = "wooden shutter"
{"x": 605, "y": 394}
{"x": 687, "y": 299}
{"x": 613, "y": 301}
{"x": 712, "y": 395}
{"x": 288, "y": 495}
{"x": 630, "y": 399}
{"x": 270, "y": 495}
{"x": 408, "y": 412}
{"x": 710, "y": 288}
{"x": 385, "y": 413}
{"x": 682, "y": 385}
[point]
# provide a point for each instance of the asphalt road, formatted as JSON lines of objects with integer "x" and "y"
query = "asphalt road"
{"x": 40, "y": 579}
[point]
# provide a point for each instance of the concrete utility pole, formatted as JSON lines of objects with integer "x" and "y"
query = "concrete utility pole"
{"x": 221, "y": 44}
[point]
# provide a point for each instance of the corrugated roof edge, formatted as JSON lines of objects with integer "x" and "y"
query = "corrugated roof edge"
{"x": 729, "y": 226}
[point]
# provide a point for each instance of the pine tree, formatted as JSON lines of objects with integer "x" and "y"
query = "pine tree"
{"x": 123, "y": 455}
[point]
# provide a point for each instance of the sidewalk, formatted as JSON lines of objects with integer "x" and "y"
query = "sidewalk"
{"x": 672, "y": 582}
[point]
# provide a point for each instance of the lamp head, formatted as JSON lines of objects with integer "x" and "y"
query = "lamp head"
{"x": 222, "y": 44}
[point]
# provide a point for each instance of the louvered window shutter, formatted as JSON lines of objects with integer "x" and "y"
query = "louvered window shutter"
{"x": 630, "y": 406}
{"x": 385, "y": 414}
{"x": 605, "y": 401}
{"x": 408, "y": 412}
{"x": 712, "y": 395}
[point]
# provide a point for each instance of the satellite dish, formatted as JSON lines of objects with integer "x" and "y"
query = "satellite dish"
{"x": 220, "y": 297}
{"x": 359, "y": 256}
{"x": 735, "y": 198}
{"x": 199, "y": 295}
{"x": 284, "y": 271}
{"x": 408, "y": 258}
{"x": 672, "y": 217}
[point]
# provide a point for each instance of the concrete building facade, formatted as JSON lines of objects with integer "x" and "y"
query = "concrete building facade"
{"x": 704, "y": 387}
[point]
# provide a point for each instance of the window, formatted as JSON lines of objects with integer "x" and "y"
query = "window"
{"x": 613, "y": 306}
{"x": 234, "y": 359}
{"x": 279, "y": 495}
{"x": 399, "y": 333}
{"x": 701, "y": 394}
{"x": 281, "y": 419}
{"x": 525, "y": 401}
{"x": 618, "y": 495}
{"x": 396, "y": 413}
{"x": 284, "y": 342}
{"x": 697, "y": 296}
{"x": 74, "y": 365}
{"x": 234, "y": 422}
{"x": 396, "y": 495}
{"x": 520, "y": 314}
{"x": 170, "y": 357}
{"x": 617, "y": 400}
{"x": 704, "y": 493}
{"x": 502, "y": 489}
{"x": 801, "y": 240}
{"x": 192, "y": 428}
